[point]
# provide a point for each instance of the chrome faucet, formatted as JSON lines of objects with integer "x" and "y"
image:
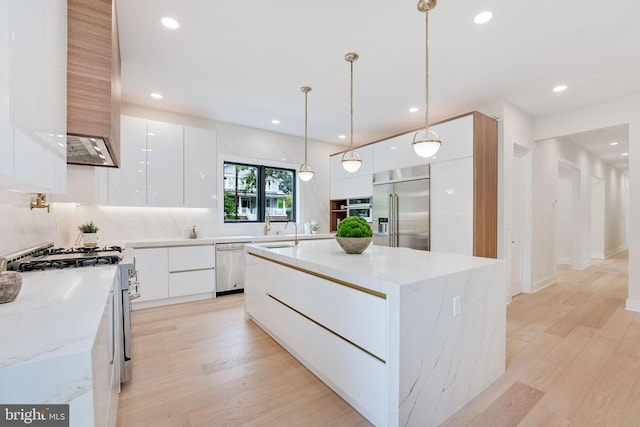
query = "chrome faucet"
{"x": 296, "y": 225}
{"x": 267, "y": 224}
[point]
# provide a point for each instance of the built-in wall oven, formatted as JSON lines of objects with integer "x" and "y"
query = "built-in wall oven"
{"x": 360, "y": 207}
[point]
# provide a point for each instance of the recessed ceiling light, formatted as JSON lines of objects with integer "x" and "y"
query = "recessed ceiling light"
{"x": 156, "y": 95}
{"x": 394, "y": 148}
{"x": 275, "y": 121}
{"x": 170, "y": 23}
{"x": 560, "y": 88}
{"x": 613, "y": 143}
{"x": 342, "y": 136}
{"x": 483, "y": 17}
{"x": 413, "y": 109}
{"x": 625, "y": 154}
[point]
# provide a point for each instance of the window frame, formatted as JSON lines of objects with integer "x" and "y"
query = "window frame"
{"x": 261, "y": 192}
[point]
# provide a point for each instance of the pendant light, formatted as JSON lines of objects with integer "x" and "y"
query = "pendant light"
{"x": 351, "y": 160}
{"x": 426, "y": 142}
{"x": 305, "y": 173}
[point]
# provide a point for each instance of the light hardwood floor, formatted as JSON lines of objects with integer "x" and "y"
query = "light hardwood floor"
{"x": 573, "y": 359}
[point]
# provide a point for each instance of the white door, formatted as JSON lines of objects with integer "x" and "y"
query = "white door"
{"x": 517, "y": 223}
{"x": 597, "y": 218}
{"x": 568, "y": 216}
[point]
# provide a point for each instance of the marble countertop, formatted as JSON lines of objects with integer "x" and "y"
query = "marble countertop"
{"x": 158, "y": 243}
{"x": 374, "y": 269}
{"x": 56, "y": 313}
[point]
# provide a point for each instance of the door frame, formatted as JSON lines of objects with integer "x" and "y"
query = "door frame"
{"x": 526, "y": 233}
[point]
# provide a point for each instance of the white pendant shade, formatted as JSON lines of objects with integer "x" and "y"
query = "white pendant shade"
{"x": 305, "y": 173}
{"x": 426, "y": 143}
{"x": 351, "y": 161}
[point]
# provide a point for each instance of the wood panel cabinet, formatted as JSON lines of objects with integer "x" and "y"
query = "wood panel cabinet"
{"x": 93, "y": 72}
{"x": 32, "y": 95}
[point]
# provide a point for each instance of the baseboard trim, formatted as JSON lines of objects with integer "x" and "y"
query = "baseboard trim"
{"x": 616, "y": 251}
{"x": 633, "y": 305}
{"x": 541, "y": 284}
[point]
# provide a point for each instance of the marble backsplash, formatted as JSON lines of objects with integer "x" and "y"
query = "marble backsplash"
{"x": 21, "y": 227}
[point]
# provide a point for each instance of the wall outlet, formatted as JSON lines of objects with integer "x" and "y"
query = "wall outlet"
{"x": 456, "y": 306}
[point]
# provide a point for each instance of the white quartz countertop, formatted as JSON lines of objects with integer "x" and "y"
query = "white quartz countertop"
{"x": 57, "y": 312}
{"x": 374, "y": 269}
{"x": 158, "y": 243}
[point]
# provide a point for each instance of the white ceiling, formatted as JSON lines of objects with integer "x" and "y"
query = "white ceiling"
{"x": 244, "y": 62}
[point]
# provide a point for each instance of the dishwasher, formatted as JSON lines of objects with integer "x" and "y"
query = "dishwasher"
{"x": 230, "y": 267}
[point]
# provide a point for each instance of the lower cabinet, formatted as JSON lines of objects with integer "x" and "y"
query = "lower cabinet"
{"x": 338, "y": 332}
{"x": 175, "y": 272}
{"x": 153, "y": 267}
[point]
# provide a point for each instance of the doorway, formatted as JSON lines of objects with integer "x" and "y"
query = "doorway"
{"x": 597, "y": 218}
{"x": 520, "y": 222}
{"x": 567, "y": 206}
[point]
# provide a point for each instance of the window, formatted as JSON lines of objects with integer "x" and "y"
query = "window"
{"x": 253, "y": 191}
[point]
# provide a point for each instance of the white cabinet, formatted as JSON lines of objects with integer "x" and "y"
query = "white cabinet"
{"x": 339, "y": 332}
{"x": 191, "y": 270}
{"x": 33, "y": 95}
{"x": 397, "y": 152}
{"x": 127, "y": 185}
{"x": 152, "y": 265}
{"x": 165, "y": 166}
{"x": 452, "y": 206}
{"x": 175, "y": 274}
{"x": 357, "y": 184}
{"x": 200, "y": 180}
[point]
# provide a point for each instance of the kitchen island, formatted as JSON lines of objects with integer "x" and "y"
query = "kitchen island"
{"x": 406, "y": 337}
{"x": 57, "y": 346}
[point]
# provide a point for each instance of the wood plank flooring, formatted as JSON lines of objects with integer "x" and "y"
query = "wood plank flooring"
{"x": 573, "y": 359}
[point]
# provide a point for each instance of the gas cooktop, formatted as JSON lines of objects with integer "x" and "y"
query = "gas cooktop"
{"x": 48, "y": 257}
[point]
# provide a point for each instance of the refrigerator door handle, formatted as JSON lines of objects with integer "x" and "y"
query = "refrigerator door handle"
{"x": 396, "y": 218}
{"x": 390, "y": 226}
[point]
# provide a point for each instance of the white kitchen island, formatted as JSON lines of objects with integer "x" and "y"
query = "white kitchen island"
{"x": 379, "y": 328}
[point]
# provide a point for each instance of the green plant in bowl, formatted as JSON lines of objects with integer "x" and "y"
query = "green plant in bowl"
{"x": 354, "y": 235}
{"x": 89, "y": 227}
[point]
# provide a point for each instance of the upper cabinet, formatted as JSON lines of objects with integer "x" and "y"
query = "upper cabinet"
{"x": 93, "y": 73}
{"x": 352, "y": 184}
{"x": 398, "y": 153}
{"x": 32, "y": 95}
{"x": 163, "y": 164}
{"x": 127, "y": 185}
{"x": 200, "y": 178}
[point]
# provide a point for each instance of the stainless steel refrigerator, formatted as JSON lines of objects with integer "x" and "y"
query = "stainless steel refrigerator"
{"x": 401, "y": 208}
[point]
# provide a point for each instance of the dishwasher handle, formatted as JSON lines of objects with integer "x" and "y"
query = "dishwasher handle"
{"x": 222, "y": 247}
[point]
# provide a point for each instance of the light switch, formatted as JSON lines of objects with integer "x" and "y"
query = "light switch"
{"x": 456, "y": 306}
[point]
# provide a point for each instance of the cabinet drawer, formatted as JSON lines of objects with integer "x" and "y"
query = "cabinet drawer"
{"x": 191, "y": 258}
{"x": 355, "y": 315}
{"x": 191, "y": 282}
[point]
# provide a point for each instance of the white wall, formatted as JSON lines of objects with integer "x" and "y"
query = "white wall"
{"x": 21, "y": 228}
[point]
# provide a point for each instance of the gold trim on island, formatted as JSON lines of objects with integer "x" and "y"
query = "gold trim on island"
{"x": 328, "y": 330}
{"x": 325, "y": 277}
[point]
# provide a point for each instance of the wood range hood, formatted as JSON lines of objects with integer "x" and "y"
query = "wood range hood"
{"x": 93, "y": 83}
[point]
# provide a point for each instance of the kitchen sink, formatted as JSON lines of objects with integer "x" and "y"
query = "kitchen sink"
{"x": 278, "y": 245}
